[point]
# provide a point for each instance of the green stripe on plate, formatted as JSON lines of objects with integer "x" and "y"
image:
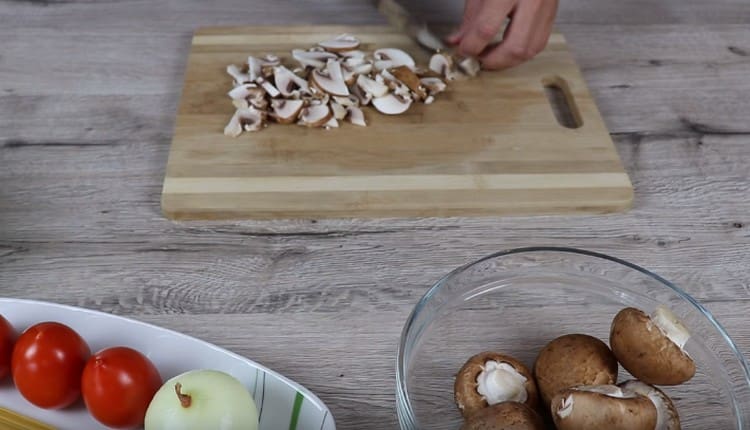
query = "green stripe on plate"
{"x": 295, "y": 410}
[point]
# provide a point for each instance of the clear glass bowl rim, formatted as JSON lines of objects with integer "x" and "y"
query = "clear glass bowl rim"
{"x": 404, "y": 404}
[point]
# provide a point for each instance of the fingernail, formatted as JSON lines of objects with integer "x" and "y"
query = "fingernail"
{"x": 453, "y": 37}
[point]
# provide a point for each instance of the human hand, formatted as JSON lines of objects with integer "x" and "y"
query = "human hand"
{"x": 525, "y": 36}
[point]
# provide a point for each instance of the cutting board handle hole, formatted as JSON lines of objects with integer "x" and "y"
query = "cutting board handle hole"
{"x": 562, "y": 102}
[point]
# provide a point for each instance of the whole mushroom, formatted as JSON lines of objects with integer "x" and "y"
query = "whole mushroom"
{"x": 490, "y": 378}
{"x": 667, "y": 417}
{"x": 572, "y": 360}
{"x": 651, "y": 347}
{"x": 602, "y": 407}
{"x": 505, "y": 416}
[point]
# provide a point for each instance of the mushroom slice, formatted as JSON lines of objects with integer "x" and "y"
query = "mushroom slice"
{"x": 372, "y": 87}
{"x": 433, "y": 85}
{"x": 602, "y": 407}
{"x": 362, "y": 96}
{"x": 356, "y": 116}
{"x": 332, "y": 80}
{"x": 315, "y": 116}
{"x": 490, "y": 378}
{"x": 391, "y": 104}
{"x": 470, "y": 66}
{"x": 349, "y": 75}
{"x": 505, "y": 416}
{"x": 247, "y": 92}
{"x": 339, "y": 111}
{"x": 444, "y": 65}
{"x": 571, "y": 360}
{"x": 392, "y": 57}
{"x": 287, "y": 82}
{"x": 667, "y": 417}
{"x": 271, "y": 90}
{"x": 254, "y": 66}
{"x": 286, "y": 111}
{"x": 244, "y": 120}
{"x": 410, "y": 79}
{"x": 342, "y": 42}
{"x": 312, "y": 59}
{"x": 348, "y": 101}
{"x": 429, "y": 99}
{"x": 267, "y": 64}
{"x": 356, "y": 53}
{"x": 239, "y": 77}
{"x": 332, "y": 123}
{"x": 651, "y": 347}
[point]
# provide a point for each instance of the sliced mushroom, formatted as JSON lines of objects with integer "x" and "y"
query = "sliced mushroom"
{"x": 572, "y": 360}
{"x": 349, "y": 75}
{"x": 331, "y": 81}
{"x": 286, "y": 111}
{"x": 287, "y": 82}
{"x": 342, "y": 42}
{"x": 470, "y": 66}
{"x": 316, "y": 60}
{"x": 410, "y": 79}
{"x": 332, "y": 123}
{"x": 363, "y": 96}
{"x": 652, "y": 348}
{"x": 602, "y": 407}
{"x": 490, "y": 378}
{"x": 505, "y": 416}
{"x": 268, "y": 86}
{"x": 356, "y": 116}
{"x": 247, "y": 92}
{"x": 339, "y": 111}
{"x": 315, "y": 116}
{"x": 239, "y": 77}
{"x": 388, "y": 58}
{"x": 429, "y": 99}
{"x": 433, "y": 85}
{"x": 391, "y": 104}
{"x": 254, "y": 67}
{"x": 444, "y": 65}
{"x": 244, "y": 120}
{"x": 372, "y": 87}
{"x": 356, "y": 53}
{"x": 667, "y": 417}
{"x": 348, "y": 101}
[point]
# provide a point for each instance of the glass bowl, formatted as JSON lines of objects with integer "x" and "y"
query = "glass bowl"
{"x": 516, "y": 301}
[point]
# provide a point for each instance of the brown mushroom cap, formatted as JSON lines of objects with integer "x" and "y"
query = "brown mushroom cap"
{"x": 469, "y": 400}
{"x": 581, "y": 409}
{"x": 667, "y": 417}
{"x": 505, "y": 416}
{"x": 571, "y": 360}
{"x": 646, "y": 352}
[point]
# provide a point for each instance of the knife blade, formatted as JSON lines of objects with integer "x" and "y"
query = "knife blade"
{"x": 418, "y": 30}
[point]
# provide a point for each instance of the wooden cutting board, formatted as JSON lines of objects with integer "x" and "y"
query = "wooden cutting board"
{"x": 488, "y": 146}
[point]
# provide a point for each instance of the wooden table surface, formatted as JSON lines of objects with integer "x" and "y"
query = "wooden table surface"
{"x": 88, "y": 94}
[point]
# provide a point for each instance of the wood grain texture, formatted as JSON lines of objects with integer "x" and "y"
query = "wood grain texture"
{"x": 487, "y": 146}
{"x": 82, "y": 160}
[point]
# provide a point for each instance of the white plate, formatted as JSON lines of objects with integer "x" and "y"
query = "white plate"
{"x": 278, "y": 399}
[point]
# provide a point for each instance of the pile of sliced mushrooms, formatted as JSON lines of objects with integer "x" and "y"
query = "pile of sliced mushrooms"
{"x": 574, "y": 380}
{"x": 334, "y": 81}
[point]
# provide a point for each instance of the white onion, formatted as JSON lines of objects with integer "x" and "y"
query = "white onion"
{"x": 202, "y": 400}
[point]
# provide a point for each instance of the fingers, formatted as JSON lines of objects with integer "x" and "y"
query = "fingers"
{"x": 471, "y": 9}
{"x": 485, "y": 26}
{"x": 525, "y": 37}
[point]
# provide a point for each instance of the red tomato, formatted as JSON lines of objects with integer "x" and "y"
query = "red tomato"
{"x": 118, "y": 385}
{"x": 7, "y": 338}
{"x": 47, "y": 363}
